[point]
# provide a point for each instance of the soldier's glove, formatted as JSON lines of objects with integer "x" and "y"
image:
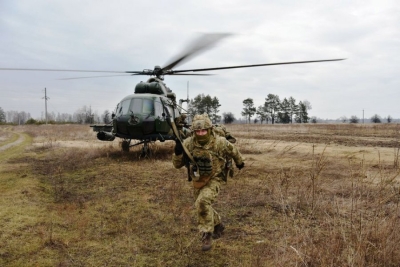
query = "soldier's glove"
{"x": 178, "y": 148}
{"x": 240, "y": 166}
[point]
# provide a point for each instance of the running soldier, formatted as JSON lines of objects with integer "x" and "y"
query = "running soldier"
{"x": 208, "y": 152}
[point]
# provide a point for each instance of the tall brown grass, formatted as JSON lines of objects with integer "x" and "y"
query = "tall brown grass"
{"x": 303, "y": 199}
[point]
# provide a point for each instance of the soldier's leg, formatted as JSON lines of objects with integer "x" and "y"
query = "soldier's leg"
{"x": 207, "y": 216}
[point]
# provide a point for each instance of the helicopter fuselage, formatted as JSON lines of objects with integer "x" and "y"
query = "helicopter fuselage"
{"x": 145, "y": 115}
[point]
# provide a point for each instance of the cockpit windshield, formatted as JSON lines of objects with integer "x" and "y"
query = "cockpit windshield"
{"x": 135, "y": 105}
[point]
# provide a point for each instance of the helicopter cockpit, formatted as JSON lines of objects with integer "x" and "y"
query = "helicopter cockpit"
{"x": 147, "y": 106}
{"x": 143, "y": 115}
{"x": 134, "y": 106}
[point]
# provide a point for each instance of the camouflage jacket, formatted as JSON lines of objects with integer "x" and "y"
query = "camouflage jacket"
{"x": 222, "y": 131}
{"x": 217, "y": 149}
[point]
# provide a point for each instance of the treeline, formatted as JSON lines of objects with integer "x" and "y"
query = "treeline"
{"x": 205, "y": 104}
{"x": 275, "y": 110}
{"x": 374, "y": 119}
{"x": 84, "y": 115}
{"x": 15, "y": 117}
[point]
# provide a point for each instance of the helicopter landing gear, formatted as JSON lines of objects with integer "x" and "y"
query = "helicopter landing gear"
{"x": 145, "y": 150}
{"x": 125, "y": 145}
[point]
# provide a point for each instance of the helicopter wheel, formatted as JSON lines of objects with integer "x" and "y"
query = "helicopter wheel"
{"x": 146, "y": 151}
{"x": 125, "y": 145}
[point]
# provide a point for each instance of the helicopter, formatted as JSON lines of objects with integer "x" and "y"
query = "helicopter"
{"x": 152, "y": 113}
{"x": 148, "y": 115}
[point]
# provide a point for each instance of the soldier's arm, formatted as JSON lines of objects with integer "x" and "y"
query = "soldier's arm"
{"x": 234, "y": 153}
{"x": 178, "y": 160}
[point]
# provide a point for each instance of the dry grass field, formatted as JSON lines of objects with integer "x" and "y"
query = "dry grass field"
{"x": 310, "y": 195}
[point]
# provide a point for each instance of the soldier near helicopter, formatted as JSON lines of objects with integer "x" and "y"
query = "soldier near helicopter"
{"x": 182, "y": 126}
{"x": 207, "y": 153}
{"x": 222, "y": 131}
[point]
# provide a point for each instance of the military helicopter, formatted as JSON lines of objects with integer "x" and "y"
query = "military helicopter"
{"x": 152, "y": 113}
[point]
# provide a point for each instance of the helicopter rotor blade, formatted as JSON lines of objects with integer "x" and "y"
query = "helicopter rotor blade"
{"x": 169, "y": 71}
{"x": 128, "y": 73}
{"x": 204, "y": 42}
{"x": 89, "y": 77}
{"x": 103, "y": 71}
{"x": 194, "y": 74}
{"x": 174, "y": 72}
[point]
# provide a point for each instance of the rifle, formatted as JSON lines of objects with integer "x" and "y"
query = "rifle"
{"x": 187, "y": 157}
{"x": 186, "y": 160}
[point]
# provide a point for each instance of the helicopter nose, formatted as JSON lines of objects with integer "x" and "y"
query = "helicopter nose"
{"x": 133, "y": 120}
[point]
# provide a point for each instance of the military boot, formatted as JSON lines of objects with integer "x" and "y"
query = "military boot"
{"x": 218, "y": 231}
{"x": 207, "y": 241}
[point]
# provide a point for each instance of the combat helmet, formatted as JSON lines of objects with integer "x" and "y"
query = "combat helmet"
{"x": 201, "y": 122}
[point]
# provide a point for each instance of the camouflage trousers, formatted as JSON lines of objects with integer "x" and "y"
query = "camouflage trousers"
{"x": 207, "y": 217}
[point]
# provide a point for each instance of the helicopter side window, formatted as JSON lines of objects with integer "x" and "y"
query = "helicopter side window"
{"x": 158, "y": 109}
{"x": 117, "y": 109}
{"x": 123, "y": 107}
{"x": 177, "y": 114}
{"x": 173, "y": 112}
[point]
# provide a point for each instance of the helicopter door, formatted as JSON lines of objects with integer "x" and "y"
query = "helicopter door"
{"x": 161, "y": 123}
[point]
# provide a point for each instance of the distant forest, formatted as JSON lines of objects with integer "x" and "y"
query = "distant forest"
{"x": 274, "y": 110}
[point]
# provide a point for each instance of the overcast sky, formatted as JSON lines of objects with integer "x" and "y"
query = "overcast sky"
{"x": 137, "y": 35}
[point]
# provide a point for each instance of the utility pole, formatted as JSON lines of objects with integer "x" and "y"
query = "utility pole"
{"x": 363, "y": 116}
{"x": 90, "y": 115}
{"x": 45, "y": 103}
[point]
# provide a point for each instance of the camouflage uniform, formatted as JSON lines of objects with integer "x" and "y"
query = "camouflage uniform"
{"x": 182, "y": 126}
{"x": 222, "y": 131}
{"x": 207, "y": 174}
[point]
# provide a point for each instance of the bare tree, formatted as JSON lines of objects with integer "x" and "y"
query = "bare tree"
{"x": 84, "y": 115}
{"x": 17, "y": 117}
{"x": 106, "y": 117}
{"x": 2, "y": 115}
{"x": 343, "y": 119}
{"x": 64, "y": 117}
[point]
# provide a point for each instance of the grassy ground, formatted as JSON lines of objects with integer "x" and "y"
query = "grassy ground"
{"x": 310, "y": 195}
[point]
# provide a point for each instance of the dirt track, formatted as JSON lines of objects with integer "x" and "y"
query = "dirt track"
{"x": 8, "y": 135}
{"x": 20, "y": 139}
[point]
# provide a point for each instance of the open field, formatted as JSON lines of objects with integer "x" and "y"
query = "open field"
{"x": 310, "y": 195}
